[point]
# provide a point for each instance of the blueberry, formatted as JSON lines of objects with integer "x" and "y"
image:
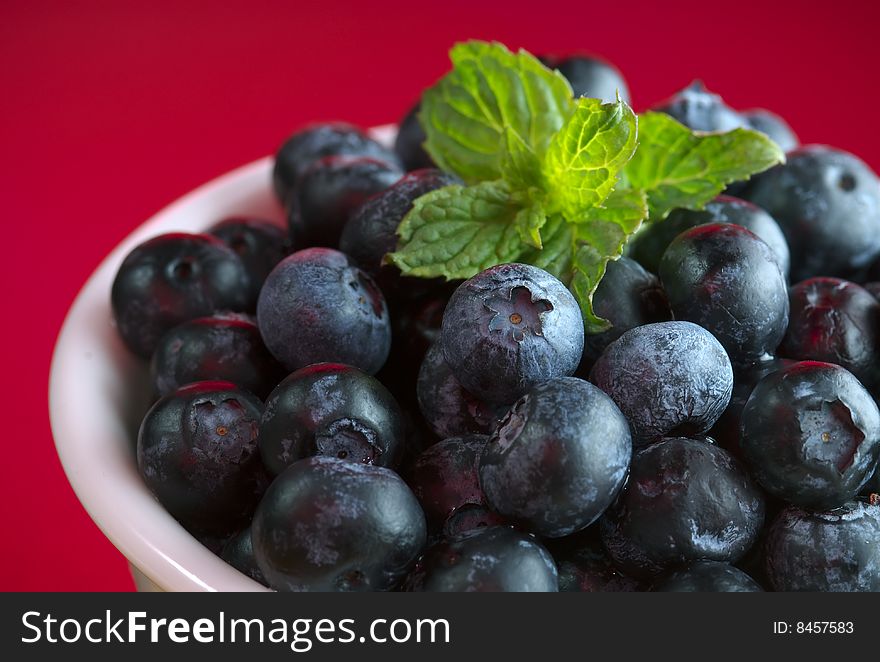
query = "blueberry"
{"x": 260, "y": 244}
{"x": 726, "y": 430}
{"x": 707, "y": 577}
{"x": 835, "y": 321}
{"x": 316, "y": 306}
{"x": 722, "y": 277}
{"x": 197, "y": 452}
{"x": 171, "y": 279}
{"x": 811, "y": 434}
{"x": 331, "y": 525}
{"x": 585, "y": 567}
{"x": 872, "y": 487}
{"x": 329, "y": 191}
{"x": 239, "y": 553}
{"x": 509, "y": 328}
{"x": 773, "y": 126}
{"x": 591, "y": 76}
{"x": 701, "y": 110}
{"x": 667, "y": 378}
{"x": 492, "y": 559}
{"x": 448, "y": 408}
{"x": 223, "y": 347}
{"x": 371, "y": 233}
{"x": 315, "y": 142}
{"x": 558, "y": 459}
{"x": 873, "y": 288}
{"x": 827, "y": 203}
{"x": 648, "y": 246}
{"x": 834, "y": 551}
{"x": 627, "y": 296}
{"x": 334, "y": 410}
{"x": 686, "y": 500}
{"x": 410, "y": 141}
{"x": 445, "y": 479}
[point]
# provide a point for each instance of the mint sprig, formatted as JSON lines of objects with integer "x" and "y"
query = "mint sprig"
{"x": 553, "y": 181}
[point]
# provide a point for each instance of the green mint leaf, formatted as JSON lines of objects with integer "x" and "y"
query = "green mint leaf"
{"x": 583, "y": 161}
{"x": 490, "y": 93}
{"x": 458, "y": 231}
{"x": 626, "y": 207}
{"x": 520, "y": 166}
{"x": 557, "y": 238}
{"x": 681, "y": 168}
{"x": 529, "y": 222}
{"x": 588, "y": 269}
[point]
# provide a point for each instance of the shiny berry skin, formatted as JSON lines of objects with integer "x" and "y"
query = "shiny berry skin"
{"x": 585, "y": 567}
{"x": 197, "y": 452}
{"x": 447, "y": 407}
{"x": 648, "y": 246}
{"x": 832, "y": 551}
{"x": 668, "y": 378}
{"x": 838, "y": 322}
{"x": 707, "y": 577}
{"x": 329, "y": 191}
{"x": 331, "y": 525}
{"x": 444, "y": 477}
{"x": 334, "y": 410}
{"x": 259, "y": 243}
{"x": 509, "y": 328}
{"x": 773, "y": 126}
{"x": 239, "y": 553}
{"x": 827, "y": 203}
{"x": 316, "y": 306}
{"x": 811, "y": 435}
{"x": 590, "y": 76}
{"x": 315, "y": 142}
{"x": 558, "y": 459}
{"x": 371, "y": 233}
{"x": 701, "y": 110}
{"x": 627, "y": 296}
{"x": 487, "y": 560}
{"x": 410, "y": 140}
{"x": 171, "y": 279}
{"x": 725, "y": 279}
{"x": 685, "y": 500}
{"x": 223, "y": 347}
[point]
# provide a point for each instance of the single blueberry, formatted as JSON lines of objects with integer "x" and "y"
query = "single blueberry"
{"x": 316, "y": 306}
{"x": 171, "y": 279}
{"x": 686, "y": 500}
{"x": 486, "y": 560}
{"x": 330, "y": 525}
{"x": 667, "y": 378}
{"x": 648, "y": 246}
{"x": 447, "y": 407}
{"x": 831, "y": 551}
{"x": 558, "y": 459}
{"x": 410, "y": 142}
{"x": 701, "y": 110}
{"x": 722, "y": 277}
{"x": 259, "y": 243}
{"x": 838, "y": 322}
{"x": 590, "y": 76}
{"x": 197, "y": 452}
{"x": 811, "y": 434}
{"x": 315, "y": 142}
{"x": 707, "y": 577}
{"x": 334, "y": 410}
{"x": 329, "y": 191}
{"x": 239, "y": 553}
{"x": 509, "y": 328}
{"x": 223, "y": 347}
{"x": 773, "y": 126}
{"x": 627, "y": 296}
{"x": 827, "y": 203}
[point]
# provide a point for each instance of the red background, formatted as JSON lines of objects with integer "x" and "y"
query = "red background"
{"x": 110, "y": 110}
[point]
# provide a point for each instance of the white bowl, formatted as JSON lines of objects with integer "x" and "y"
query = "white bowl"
{"x": 98, "y": 393}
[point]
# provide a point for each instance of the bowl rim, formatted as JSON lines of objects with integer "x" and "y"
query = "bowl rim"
{"x": 107, "y": 483}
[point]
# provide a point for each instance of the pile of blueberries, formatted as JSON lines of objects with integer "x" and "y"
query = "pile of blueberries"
{"x": 326, "y": 424}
